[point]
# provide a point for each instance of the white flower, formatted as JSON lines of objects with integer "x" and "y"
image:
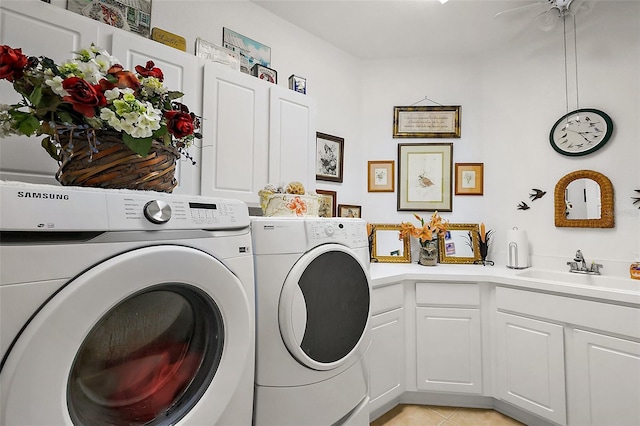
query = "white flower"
{"x": 56, "y": 85}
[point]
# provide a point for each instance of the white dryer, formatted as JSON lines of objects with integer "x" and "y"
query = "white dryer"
{"x": 313, "y": 296}
{"x": 124, "y": 307}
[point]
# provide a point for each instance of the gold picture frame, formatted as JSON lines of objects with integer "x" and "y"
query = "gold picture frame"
{"x": 426, "y": 121}
{"x": 387, "y": 247}
{"x": 469, "y": 179}
{"x": 381, "y": 176}
{"x": 424, "y": 177}
{"x": 460, "y": 244}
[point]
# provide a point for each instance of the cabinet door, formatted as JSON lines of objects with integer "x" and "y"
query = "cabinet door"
{"x": 449, "y": 350}
{"x": 181, "y": 74}
{"x": 531, "y": 365}
{"x": 235, "y": 134}
{"x": 292, "y": 138}
{"x": 386, "y": 357}
{"x": 604, "y": 388}
{"x": 40, "y": 29}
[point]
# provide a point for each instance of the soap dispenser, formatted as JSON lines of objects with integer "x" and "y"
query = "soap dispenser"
{"x": 517, "y": 249}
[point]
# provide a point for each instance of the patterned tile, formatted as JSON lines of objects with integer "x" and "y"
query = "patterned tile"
{"x": 420, "y": 415}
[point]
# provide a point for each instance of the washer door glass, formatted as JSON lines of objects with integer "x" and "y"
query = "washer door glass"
{"x": 324, "y": 307}
{"x": 148, "y": 360}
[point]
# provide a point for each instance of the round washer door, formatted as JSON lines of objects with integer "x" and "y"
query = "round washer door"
{"x": 152, "y": 336}
{"x": 324, "y": 307}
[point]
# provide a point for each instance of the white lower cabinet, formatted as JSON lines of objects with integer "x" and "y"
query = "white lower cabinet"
{"x": 530, "y": 355}
{"x": 386, "y": 353}
{"x": 604, "y": 386}
{"x": 449, "y": 351}
{"x": 448, "y": 338}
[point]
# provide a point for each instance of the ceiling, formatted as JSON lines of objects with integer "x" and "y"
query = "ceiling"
{"x": 379, "y": 29}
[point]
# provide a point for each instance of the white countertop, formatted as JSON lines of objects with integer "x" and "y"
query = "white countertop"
{"x": 612, "y": 289}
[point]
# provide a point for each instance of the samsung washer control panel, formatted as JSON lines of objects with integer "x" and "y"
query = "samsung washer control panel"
{"x": 33, "y": 207}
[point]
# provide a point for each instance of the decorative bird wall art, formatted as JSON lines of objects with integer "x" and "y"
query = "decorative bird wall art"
{"x": 636, "y": 199}
{"x": 523, "y": 206}
{"x": 537, "y": 194}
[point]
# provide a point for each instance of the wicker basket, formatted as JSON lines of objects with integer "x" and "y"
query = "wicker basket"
{"x": 100, "y": 159}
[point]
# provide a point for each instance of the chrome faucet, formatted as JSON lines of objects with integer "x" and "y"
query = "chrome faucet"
{"x": 579, "y": 265}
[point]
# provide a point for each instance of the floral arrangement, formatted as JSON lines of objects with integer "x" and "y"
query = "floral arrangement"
{"x": 93, "y": 92}
{"x": 425, "y": 232}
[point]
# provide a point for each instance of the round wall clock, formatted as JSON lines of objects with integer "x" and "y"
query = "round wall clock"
{"x": 581, "y": 132}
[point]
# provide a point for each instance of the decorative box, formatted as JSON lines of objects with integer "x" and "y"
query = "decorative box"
{"x": 265, "y": 73}
{"x": 298, "y": 84}
{"x": 289, "y": 205}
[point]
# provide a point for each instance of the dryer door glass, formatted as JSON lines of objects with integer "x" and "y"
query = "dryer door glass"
{"x": 335, "y": 290}
{"x": 147, "y": 361}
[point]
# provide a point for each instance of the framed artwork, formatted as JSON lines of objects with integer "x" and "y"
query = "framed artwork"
{"x": 329, "y": 157}
{"x": 424, "y": 177}
{"x": 265, "y": 73}
{"x": 215, "y": 53}
{"x": 381, "y": 176}
{"x": 469, "y": 178}
{"x": 349, "y": 210}
{"x": 426, "y": 121}
{"x": 251, "y": 52}
{"x": 123, "y": 14}
{"x": 327, "y": 203}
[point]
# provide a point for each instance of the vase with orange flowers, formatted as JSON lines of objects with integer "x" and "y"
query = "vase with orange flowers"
{"x": 427, "y": 234}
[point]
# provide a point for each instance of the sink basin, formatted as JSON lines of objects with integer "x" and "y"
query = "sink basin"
{"x": 581, "y": 279}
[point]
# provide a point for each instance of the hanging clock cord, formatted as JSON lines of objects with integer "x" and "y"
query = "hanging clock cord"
{"x": 566, "y": 70}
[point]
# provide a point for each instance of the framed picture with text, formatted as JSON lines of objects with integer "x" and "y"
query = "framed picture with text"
{"x": 424, "y": 177}
{"x": 426, "y": 121}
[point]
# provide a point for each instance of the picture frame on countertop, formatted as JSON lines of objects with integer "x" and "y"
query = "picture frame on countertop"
{"x": 212, "y": 52}
{"x": 327, "y": 203}
{"x": 329, "y": 157}
{"x": 265, "y": 73}
{"x": 250, "y": 51}
{"x": 381, "y": 176}
{"x": 349, "y": 210}
{"x": 426, "y": 121}
{"x": 469, "y": 178}
{"x": 126, "y": 15}
{"x": 424, "y": 177}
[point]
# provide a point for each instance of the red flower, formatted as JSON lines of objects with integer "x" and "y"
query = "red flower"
{"x": 83, "y": 96}
{"x": 12, "y": 63}
{"x": 179, "y": 124}
{"x": 124, "y": 79}
{"x": 150, "y": 70}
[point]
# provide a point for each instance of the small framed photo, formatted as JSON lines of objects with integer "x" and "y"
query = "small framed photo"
{"x": 329, "y": 157}
{"x": 298, "y": 84}
{"x": 469, "y": 178}
{"x": 381, "y": 176}
{"x": 349, "y": 210}
{"x": 265, "y": 73}
{"x": 327, "y": 203}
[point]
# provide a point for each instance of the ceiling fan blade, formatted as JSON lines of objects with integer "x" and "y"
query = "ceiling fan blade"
{"x": 546, "y": 21}
{"x": 518, "y": 9}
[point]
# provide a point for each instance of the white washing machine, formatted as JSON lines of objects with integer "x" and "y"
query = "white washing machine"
{"x": 313, "y": 295}
{"x": 124, "y": 307}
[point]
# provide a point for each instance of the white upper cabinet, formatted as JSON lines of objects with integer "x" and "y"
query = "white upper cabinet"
{"x": 181, "y": 73}
{"x": 254, "y": 133}
{"x": 40, "y": 30}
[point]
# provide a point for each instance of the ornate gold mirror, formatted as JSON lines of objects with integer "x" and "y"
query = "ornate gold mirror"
{"x": 387, "y": 247}
{"x": 460, "y": 244}
{"x": 584, "y": 199}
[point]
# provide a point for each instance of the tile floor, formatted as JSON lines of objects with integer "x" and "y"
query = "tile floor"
{"x": 423, "y": 415}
